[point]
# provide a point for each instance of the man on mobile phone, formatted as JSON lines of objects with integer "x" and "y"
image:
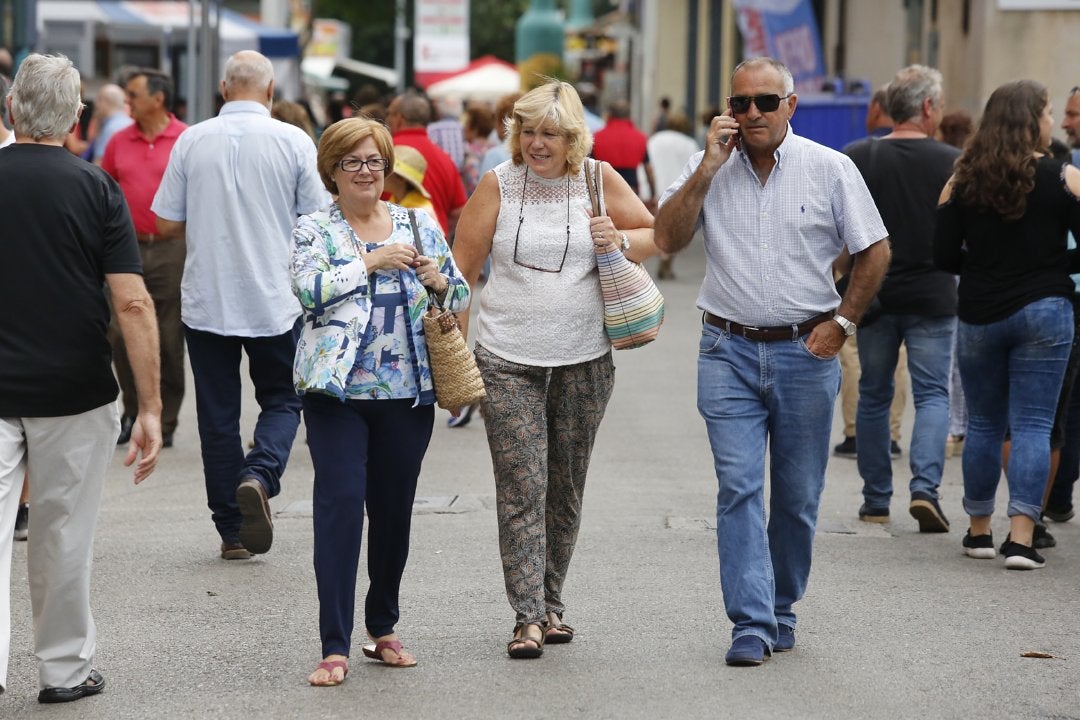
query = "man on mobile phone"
{"x": 768, "y": 201}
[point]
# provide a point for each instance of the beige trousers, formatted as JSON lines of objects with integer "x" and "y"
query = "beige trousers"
{"x": 849, "y": 388}
{"x": 67, "y": 458}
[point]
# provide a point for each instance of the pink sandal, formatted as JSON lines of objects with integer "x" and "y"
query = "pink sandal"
{"x": 330, "y": 666}
{"x": 375, "y": 652}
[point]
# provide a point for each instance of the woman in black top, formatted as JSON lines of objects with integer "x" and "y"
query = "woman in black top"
{"x": 1002, "y": 226}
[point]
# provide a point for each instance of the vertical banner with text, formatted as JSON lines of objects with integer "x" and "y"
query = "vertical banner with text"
{"x": 440, "y": 38}
{"x": 785, "y": 30}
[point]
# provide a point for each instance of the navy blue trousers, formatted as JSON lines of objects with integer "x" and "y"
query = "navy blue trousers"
{"x": 365, "y": 453}
{"x": 215, "y": 367}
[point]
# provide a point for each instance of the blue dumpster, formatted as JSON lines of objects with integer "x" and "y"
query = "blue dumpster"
{"x": 832, "y": 120}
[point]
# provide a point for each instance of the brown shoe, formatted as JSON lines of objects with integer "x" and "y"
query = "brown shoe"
{"x": 234, "y": 551}
{"x": 256, "y": 526}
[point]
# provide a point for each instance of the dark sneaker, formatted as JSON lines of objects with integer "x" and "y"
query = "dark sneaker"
{"x": 22, "y": 522}
{"x": 925, "y": 508}
{"x": 747, "y": 651}
{"x": 846, "y": 448}
{"x": 874, "y": 515}
{"x": 980, "y": 547}
{"x": 1059, "y": 515}
{"x": 1042, "y": 538}
{"x": 786, "y": 640}
{"x": 1021, "y": 557}
{"x": 256, "y": 526}
{"x": 894, "y": 449}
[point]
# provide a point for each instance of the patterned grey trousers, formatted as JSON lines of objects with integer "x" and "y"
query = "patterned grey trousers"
{"x": 541, "y": 424}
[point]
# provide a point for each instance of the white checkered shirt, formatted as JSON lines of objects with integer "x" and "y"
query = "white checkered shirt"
{"x": 769, "y": 250}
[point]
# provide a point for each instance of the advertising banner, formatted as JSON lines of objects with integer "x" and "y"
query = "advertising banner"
{"x": 441, "y": 37}
{"x": 787, "y": 31}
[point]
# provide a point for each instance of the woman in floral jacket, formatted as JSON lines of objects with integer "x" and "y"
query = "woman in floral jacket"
{"x": 362, "y": 367}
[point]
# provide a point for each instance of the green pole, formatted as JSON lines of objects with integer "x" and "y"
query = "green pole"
{"x": 539, "y": 43}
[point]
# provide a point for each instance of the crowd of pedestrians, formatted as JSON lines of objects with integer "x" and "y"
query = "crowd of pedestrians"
{"x": 316, "y": 254}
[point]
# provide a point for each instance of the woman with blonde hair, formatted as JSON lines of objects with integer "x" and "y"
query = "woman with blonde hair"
{"x": 362, "y": 368}
{"x": 540, "y": 341}
{"x": 1002, "y": 226}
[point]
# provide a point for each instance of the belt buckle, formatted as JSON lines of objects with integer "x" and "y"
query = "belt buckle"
{"x": 749, "y": 328}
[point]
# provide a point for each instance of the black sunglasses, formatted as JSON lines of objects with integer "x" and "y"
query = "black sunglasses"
{"x": 765, "y": 103}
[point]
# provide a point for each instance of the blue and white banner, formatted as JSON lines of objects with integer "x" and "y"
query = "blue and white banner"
{"x": 786, "y": 31}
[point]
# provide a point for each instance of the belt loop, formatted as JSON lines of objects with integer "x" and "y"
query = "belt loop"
{"x": 794, "y": 332}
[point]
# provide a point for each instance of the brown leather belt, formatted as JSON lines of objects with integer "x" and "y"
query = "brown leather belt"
{"x": 149, "y": 237}
{"x": 767, "y": 334}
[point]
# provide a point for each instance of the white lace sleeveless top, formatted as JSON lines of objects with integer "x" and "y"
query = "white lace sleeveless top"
{"x": 533, "y": 317}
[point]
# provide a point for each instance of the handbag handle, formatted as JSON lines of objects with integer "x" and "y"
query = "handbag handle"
{"x": 432, "y": 298}
{"x": 595, "y": 184}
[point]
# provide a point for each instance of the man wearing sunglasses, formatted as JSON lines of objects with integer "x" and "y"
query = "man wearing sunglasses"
{"x": 776, "y": 210}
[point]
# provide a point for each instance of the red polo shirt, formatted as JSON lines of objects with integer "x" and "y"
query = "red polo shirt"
{"x": 441, "y": 179}
{"x": 138, "y": 164}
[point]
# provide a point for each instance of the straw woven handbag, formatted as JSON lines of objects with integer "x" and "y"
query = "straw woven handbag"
{"x": 633, "y": 305}
{"x": 453, "y": 368}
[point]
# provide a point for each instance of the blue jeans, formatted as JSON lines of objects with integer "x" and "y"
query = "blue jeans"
{"x": 929, "y": 342}
{"x": 750, "y": 393}
{"x": 215, "y": 367}
{"x": 1012, "y": 372}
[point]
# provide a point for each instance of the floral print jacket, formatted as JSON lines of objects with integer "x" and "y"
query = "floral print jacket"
{"x": 354, "y": 344}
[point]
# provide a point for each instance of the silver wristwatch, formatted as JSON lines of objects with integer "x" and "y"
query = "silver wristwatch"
{"x": 847, "y": 325}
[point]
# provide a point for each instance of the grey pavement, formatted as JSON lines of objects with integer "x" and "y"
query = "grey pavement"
{"x": 895, "y": 624}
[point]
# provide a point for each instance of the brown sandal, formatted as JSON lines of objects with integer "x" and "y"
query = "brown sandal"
{"x": 558, "y": 632}
{"x": 330, "y": 666}
{"x": 523, "y": 646}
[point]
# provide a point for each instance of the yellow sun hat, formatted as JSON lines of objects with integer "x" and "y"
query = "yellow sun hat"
{"x": 410, "y": 165}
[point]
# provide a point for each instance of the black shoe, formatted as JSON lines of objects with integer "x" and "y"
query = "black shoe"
{"x": 846, "y": 448}
{"x": 126, "y": 423}
{"x": 22, "y": 522}
{"x": 166, "y": 440}
{"x": 980, "y": 547}
{"x": 1059, "y": 515}
{"x": 925, "y": 508}
{"x": 1042, "y": 538}
{"x": 62, "y": 695}
{"x": 256, "y": 525}
{"x": 894, "y": 450}
{"x": 873, "y": 515}
{"x": 1021, "y": 557}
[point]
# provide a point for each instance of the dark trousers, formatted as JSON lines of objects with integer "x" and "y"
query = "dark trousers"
{"x": 163, "y": 266}
{"x": 365, "y": 453}
{"x": 215, "y": 366}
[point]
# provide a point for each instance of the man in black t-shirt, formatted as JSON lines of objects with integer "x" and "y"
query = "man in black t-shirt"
{"x": 70, "y": 241}
{"x": 905, "y": 171}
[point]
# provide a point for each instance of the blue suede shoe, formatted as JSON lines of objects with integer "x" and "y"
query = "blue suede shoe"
{"x": 747, "y": 651}
{"x": 786, "y": 640}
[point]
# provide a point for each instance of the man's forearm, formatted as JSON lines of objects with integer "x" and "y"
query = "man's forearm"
{"x": 138, "y": 324}
{"x": 678, "y": 217}
{"x": 867, "y": 272}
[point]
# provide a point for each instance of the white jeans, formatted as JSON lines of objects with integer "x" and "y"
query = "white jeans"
{"x": 67, "y": 458}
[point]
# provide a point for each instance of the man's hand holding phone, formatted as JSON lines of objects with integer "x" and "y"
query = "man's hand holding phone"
{"x": 722, "y": 139}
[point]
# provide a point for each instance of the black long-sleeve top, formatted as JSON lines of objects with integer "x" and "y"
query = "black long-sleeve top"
{"x": 1005, "y": 265}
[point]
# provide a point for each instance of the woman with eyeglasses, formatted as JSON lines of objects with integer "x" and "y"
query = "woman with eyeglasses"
{"x": 362, "y": 368}
{"x": 1002, "y": 226}
{"x": 540, "y": 341}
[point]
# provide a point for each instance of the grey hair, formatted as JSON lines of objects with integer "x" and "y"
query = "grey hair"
{"x": 785, "y": 74}
{"x": 249, "y": 71}
{"x": 45, "y": 100}
{"x": 907, "y": 91}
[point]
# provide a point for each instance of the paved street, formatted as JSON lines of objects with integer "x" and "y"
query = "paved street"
{"x": 895, "y": 624}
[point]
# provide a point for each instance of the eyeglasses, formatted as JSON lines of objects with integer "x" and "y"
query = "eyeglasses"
{"x": 354, "y": 164}
{"x": 521, "y": 221}
{"x": 765, "y": 103}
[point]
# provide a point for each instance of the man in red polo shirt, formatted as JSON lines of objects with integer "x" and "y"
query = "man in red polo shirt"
{"x": 622, "y": 145}
{"x": 136, "y": 156}
{"x": 408, "y": 116}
